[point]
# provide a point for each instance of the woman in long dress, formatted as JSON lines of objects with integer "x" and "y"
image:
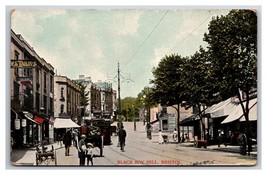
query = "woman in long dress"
{"x": 160, "y": 137}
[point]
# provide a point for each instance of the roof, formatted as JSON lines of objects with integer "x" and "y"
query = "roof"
{"x": 237, "y": 111}
{"x": 253, "y": 114}
{"x": 221, "y": 109}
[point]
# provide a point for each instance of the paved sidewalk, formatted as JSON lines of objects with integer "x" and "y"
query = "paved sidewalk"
{"x": 228, "y": 148}
{"x": 26, "y": 157}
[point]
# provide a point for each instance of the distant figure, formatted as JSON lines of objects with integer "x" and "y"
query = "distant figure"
{"x": 175, "y": 135}
{"x": 75, "y": 134}
{"x": 221, "y": 138}
{"x": 89, "y": 153}
{"x": 160, "y": 137}
{"x": 122, "y": 135}
{"x": 59, "y": 140}
{"x": 82, "y": 150}
{"x": 67, "y": 142}
{"x": 183, "y": 139}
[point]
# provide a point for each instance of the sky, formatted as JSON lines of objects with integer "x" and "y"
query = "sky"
{"x": 92, "y": 41}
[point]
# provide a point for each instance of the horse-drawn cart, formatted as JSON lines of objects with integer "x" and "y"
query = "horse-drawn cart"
{"x": 44, "y": 156}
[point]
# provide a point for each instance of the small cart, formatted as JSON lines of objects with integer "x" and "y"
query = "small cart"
{"x": 165, "y": 138}
{"x": 44, "y": 156}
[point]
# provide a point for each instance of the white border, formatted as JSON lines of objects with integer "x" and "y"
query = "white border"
{"x": 137, "y": 3}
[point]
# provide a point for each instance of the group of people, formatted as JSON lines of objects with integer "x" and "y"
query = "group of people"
{"x": 85, "y": 151}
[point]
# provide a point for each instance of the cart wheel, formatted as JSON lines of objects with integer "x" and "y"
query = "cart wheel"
{"x": 55, "y": 157}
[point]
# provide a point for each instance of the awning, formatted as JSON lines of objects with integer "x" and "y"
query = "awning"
{"x": 29, "y": 116}
{"x": 253, "y": 114}
{"x": 65, "y": 123}
{"x": 221, "y": 109}
{"x": 237, "y": 112}
{"x": 190, "y": 121}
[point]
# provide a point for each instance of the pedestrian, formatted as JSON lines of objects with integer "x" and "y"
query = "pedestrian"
{"x": 75, "y": 137}
{"x": 221, "y": 138}
{"x": 59, "y": 139}
{"x": 89, "y": 154}
{"x": 175, "y": 135}
{"x": 160, "y": 137}
{"x": 82, "y": 150}
{"x": 122, "y": 135}
{"x": 67, "y": 141}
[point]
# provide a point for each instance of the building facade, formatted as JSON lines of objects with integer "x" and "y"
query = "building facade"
{"x": 31, "y": 94}
{"x": 101, "y": 101}
{"x": 67, "y": 98}
{"x": 106, "y": 99}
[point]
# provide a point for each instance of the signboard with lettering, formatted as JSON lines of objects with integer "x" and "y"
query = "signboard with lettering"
{"x": 23, "y": 64}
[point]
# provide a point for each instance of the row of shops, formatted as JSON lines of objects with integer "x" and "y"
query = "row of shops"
{"x": 226, "y": 116}
{"x": 28, "y": 129}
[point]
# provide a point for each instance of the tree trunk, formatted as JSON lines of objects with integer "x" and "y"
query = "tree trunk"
{"x": 178, "y": 122}
{"x": 246, "y": 115}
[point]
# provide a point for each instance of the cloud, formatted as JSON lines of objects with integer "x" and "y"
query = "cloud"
{"x": 129, "y": 22}
{"x": 18, "y": 23}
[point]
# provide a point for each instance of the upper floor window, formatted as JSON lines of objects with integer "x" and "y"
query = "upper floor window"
{"x": 62, "y": 92}
{"x": 61, "y": 108}
{"x": 45, "y": 81}
{"x": 16, "y": 57}
{"x": 51, "y": 84}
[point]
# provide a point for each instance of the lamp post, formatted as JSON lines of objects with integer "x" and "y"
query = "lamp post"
{"x": 147, "y": 108}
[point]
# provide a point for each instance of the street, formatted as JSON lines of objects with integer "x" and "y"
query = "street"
{"x": 140, "y": 151}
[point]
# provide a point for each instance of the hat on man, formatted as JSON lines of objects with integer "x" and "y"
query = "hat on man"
{"x": 83, "y": 136}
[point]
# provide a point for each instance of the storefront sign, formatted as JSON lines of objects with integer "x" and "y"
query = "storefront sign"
{"x": 23, "y": 64}
{"x": 38, "y": 119}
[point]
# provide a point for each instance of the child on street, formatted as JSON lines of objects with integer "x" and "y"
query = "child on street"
{"x": 89, "y": 153}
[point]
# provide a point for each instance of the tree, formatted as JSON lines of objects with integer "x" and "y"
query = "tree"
{"x": 128, "y": 108}
{"x": 167, "y": 88}
{"x": 199, "y": 84}
{"x": 232, "y": 44}
{"x": 84, "y": 102}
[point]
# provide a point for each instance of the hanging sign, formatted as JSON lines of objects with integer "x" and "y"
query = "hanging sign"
{"x": 17, "y": 124}
{"x": 23, "y": 123}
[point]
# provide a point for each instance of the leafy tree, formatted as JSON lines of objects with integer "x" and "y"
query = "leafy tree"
{"x": 232, "y": 44}
{"x": 84, "y": 98}
{"x": 168, "y": 89}
{"x": 128, "y": 108}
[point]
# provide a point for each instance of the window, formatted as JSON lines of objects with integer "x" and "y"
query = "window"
{"x": 51, "y": 84}
{"x": 37, "y": 79}
{"x": 16, "y": 57}
{"x": 45, "y": 82}
{"x": 62, "y": 92}
{"x": 61, "y": 108}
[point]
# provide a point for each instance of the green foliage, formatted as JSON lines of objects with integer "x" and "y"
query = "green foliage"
{"x": 168, "y": 88}
{"x": 84, "y": 98}
{"x": 232, "y": 43}
{"x": 129, "y": 108}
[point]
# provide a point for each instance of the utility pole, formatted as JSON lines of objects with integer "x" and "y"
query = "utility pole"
{"x": 119, "y": 95}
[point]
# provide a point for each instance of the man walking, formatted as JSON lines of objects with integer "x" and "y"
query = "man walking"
{"x": 67, "y": 142}
{"x": 82, "y": 150}
{"x": 122, "y": 135}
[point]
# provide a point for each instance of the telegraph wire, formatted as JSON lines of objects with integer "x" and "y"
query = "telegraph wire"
{"x": 145, "y": 40}
{"x": 193, "y": 30}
